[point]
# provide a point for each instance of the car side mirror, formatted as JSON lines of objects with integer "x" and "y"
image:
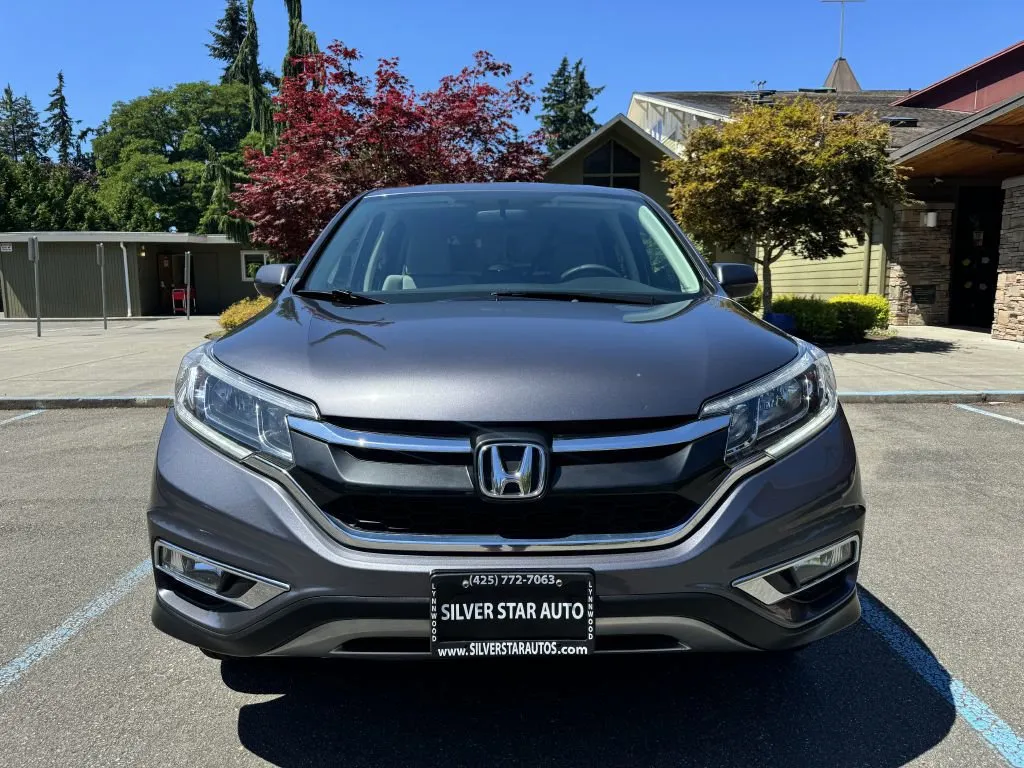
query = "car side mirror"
{"x": 737, "y": 280}
{"x": 271, "y": 279}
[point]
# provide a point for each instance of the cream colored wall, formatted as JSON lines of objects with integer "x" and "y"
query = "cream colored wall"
{"x": 676, "y": 123}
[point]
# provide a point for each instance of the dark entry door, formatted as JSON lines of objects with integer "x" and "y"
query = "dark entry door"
{"x": 972, "y": 290}
{"x": 165, "y": 274}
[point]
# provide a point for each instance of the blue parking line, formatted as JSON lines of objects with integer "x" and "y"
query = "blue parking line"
{"x": 21, "y": 416}
{"x": 975, "y": 712}
{"x": 73, "y": 624}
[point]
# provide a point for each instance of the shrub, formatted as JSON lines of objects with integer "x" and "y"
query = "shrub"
{"x": 879, "y": 306}
{"x": 816, "y": 319}
{"x": 752, "y": 303}
{"x": 854, "y": 319}
{"x": 242, "y": 311}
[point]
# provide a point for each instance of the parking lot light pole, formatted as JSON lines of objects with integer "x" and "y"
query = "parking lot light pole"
{"x": 33, "y": 256}
{"x": 101, "y": 260}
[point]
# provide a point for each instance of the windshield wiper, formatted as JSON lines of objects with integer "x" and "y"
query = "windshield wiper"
{"x": 346, "y": 298}
{"x": 603, "y": 298}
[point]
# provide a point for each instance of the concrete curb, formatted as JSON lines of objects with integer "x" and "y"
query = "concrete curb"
{"x": 934, "y": 396}
{"x": 849, "y": 398}
{"x": 103, "y": 401}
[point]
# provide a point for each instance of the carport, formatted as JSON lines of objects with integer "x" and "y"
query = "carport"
{"x": 141, "y": 269}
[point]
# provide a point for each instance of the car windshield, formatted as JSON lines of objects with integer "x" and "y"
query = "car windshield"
{"x": 422, "y": 245}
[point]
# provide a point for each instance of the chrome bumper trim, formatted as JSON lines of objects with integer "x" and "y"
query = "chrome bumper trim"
{"x": 262, "y": 590}
{"x": 757, "y": 586}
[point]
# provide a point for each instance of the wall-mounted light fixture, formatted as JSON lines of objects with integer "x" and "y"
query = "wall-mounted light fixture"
{"x": 929, "y": 218}
{"x": 142, "y": 251}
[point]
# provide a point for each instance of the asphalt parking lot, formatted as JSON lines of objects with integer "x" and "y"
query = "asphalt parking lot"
{"x": 933, "y": 676}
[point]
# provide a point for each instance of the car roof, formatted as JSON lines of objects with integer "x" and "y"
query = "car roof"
{"x": 506, "y": 186}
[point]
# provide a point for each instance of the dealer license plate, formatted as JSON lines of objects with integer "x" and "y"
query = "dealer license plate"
{"x": 511, "y": 613}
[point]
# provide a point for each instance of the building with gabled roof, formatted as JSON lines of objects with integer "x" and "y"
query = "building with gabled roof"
{"x": 957, "y": 257}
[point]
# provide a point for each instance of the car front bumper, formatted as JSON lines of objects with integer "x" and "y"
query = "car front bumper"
{"x": 345, "y": 601}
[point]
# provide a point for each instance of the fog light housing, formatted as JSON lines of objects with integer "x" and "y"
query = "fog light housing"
{"x": 784, "y": 581}
{"x": 232, "y": 585}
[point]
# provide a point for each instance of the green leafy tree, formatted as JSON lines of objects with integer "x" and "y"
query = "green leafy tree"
{"x": 784, "y": 178}
{"x": 228, "y": 34}
{"x": 59, "y": 133}
{"x": 20, "y": 132}
{"x": 301, "y": 40}
{"x": 566, "y": 116}
{"x": 152, "y": 153}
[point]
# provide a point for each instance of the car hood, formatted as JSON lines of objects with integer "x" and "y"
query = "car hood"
{"x": 505, "y": 361}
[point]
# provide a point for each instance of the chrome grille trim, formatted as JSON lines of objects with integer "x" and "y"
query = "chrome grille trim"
{"x": 433, "y": 543}
{"x": 330, "y": 433}
{"x": 639, "y": 441}
{"x": 351, "y": 438}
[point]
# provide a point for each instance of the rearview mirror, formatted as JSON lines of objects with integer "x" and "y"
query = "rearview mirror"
{"x": 737, "y": 280}
{"x": 271, "y": 279}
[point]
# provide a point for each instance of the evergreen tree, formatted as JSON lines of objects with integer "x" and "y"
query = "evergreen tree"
{"x": 246, "y": 69}
{"x": 228, "y": 35}
{"x": 565, "y": 117}
{"x": 301, "y": 40}
{"x": 85, "y": 162}
{"x": 217, "y": 217}
{"x": 554, "y": 104}
{"x": 59, "y": 131}
{"x": 19, "y": 126}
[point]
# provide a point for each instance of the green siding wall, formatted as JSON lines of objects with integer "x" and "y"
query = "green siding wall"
{"x": 69, "y": 280}
{"x": 652, "y": 180}
{"x": 792, "y": 275}
{"x": 216, "y": 276}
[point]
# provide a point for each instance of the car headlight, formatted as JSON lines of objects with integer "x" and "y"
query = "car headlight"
{"x": 235, "y": 413}
{"x": 782, "y": 410}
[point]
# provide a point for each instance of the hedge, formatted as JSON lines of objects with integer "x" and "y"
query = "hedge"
{"x": 816, "y": 320}
{"x": 879, "y": 306}
{"x": 242, "y": 311}
{"x": 839, "y": 319}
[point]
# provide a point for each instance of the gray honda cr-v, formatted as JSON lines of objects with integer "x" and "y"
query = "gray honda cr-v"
{"x": 504, "y": 419}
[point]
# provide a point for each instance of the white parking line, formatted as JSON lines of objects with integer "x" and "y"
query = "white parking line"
{"x": 73, "y": 624}
{"x": 983, "y": 412}
{"x": 20, "y": 416}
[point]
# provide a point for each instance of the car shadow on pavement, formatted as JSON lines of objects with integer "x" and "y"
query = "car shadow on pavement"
{"x": 897, "y": 344}
{"x": 848, "y": 700}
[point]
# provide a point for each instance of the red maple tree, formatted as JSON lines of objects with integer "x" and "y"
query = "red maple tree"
{"x": 345, "y": 133}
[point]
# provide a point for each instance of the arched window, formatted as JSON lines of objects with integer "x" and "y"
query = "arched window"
{"x": 612, "y": 165}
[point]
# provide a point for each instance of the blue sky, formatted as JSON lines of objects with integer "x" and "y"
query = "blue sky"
{"x": 118, "y": 49}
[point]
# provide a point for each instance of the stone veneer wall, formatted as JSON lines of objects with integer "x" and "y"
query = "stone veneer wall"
{"x": 920, "y": 258}
{"x": 1008, "y": 320}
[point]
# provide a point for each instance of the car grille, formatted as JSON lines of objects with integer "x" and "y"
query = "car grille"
{"x": 604, "y": 481}
{"x": 548, "y": 518}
